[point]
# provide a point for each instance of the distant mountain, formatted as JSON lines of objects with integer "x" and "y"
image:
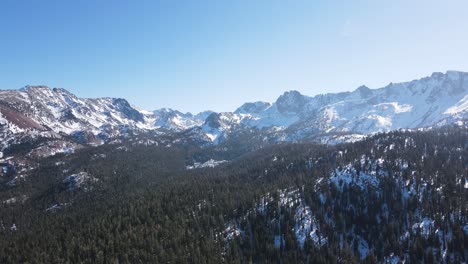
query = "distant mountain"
{"x": 432, "y": 101}
{"x": 40, "y": 109}
{"x": 175, "y": 120}
{"x": 439, "y": 99}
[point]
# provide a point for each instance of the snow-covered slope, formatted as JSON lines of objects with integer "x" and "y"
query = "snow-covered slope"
{"x": 439, "y": 99}
{"x": 174, "y": 120}
{"x": 432, "y": 101}
{"x": 419, "y": 103}
{"x": 57, "y": 110}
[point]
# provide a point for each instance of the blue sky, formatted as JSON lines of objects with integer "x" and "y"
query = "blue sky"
{"x": 199, "y": 54}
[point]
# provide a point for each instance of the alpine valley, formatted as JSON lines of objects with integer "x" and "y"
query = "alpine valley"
{"x": 370, "y": 176}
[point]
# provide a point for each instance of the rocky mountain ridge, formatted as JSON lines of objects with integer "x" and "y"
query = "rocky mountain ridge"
{"x": 439, "y": 99}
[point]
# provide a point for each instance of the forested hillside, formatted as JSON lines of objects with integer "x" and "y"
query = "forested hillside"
{"x": 392, "y": 197}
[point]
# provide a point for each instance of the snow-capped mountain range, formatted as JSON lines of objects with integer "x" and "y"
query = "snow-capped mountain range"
{"x": 439, "y": 99}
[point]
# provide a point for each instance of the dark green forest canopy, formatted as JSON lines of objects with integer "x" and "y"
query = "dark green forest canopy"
{"x": 139, "y": 204}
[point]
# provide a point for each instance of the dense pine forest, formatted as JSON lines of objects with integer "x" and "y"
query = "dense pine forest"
{"x": 390, "y": 198}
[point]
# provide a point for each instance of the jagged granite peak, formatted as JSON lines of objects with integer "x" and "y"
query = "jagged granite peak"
{"x": 435, "y": 100}
{"x": 364, "y": 91}
{"x": 213, "y": 120}
{"x": 173, "y": 112}
{"x": 291, "y": 101}
{"x": 59, "y": 111}
{"x": 34, "y": 87}
{"x": 128, "y": 111}
{"x": 175, "y": 120}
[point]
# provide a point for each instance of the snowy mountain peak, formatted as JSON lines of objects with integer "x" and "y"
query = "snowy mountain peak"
{"x": 35, "y": 87}
{"x": 127, "y": 110}
{"x": 291, "y": 101}
{"x": 59, "y": 111}
{"x": 364, "y": 91}
{"x": 255, "y": 107}
{"x": 174, "y": 120}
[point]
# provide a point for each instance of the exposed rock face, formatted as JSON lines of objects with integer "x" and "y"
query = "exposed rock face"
{"x": 291, "y": 102}
{"x": 213, "y": 120}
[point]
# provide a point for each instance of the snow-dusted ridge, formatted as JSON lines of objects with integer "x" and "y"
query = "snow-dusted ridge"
{"x": 439, "y": 99}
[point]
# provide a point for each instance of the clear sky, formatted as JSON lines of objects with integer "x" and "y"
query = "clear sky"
{"x": 195, "y": 55}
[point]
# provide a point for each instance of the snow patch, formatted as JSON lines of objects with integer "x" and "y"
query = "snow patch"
{"x": 208, "y": 164}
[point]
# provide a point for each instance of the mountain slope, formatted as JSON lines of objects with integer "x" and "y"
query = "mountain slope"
{"x": 60, "y": 111}
{"x": 436, "y": 100}
{"x": 431, "y": 101}
{"x": 398, "y": 196}
{"x": 413, "y": 104}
